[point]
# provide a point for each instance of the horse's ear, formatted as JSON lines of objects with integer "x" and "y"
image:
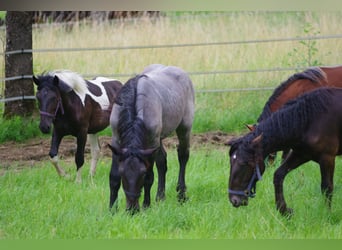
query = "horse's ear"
{"x": 250, "y": 127}
{"x": 148, "y": 152}
{"x": 116, "y": 150}
{"x": 257, "y": 139}
{"x": 35, "y": 80}
{"x": 62, "y": 86}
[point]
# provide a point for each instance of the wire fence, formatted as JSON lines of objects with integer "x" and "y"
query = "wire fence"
{"x": 241, "y": 71}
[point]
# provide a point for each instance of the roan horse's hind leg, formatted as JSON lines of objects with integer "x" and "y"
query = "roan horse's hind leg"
{"x": 95, "y": 152}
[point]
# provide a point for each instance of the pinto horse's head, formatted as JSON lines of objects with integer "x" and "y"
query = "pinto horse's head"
{"x": 133, "y": 166}
{"x": 49, "y": 99}
{"x": 246, "y": 168}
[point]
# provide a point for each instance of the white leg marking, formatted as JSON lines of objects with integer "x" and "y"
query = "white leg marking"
{"x": 79, "y": 176}
{"x": 95, "y": 152}
{"x": 59, "y": 170}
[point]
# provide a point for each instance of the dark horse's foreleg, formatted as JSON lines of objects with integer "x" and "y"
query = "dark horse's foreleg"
{"x": 55, "y": 142}
{"x": 79, "y": 157}
{"x": 292, "y": 162}
{"x": 149, "y": 178}
{"x": 327, "y": 166}
{"x": 183, "y": 157}
{"x": 114, "y": 181}
{"x": 161, "y": 162}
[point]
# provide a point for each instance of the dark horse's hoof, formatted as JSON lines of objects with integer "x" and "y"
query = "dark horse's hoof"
{"x": 286, "y": 212}
{"x": 182, "y": 198}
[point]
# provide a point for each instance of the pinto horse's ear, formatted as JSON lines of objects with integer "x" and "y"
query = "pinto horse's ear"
{"x": 250, "y": 127}
{"x": 61, "y": 85}
{"x": 35, "y": 80}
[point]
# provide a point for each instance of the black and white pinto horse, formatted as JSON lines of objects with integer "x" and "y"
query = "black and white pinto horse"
{"x": 76, "y": 107}
{"x": 148, "y": 108}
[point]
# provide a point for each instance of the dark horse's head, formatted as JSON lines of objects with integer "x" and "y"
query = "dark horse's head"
{"x": 246, "y": 167}
{"x": 49, "y": 99}
{"x": 133, "y": 165}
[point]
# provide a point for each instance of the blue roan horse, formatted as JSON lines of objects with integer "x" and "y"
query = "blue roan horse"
{"x": 148, "y": 108}
{"x": 75, "y": 107}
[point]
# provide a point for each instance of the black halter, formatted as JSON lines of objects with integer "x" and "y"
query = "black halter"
{"x": 251, "y": 188}
{"x": 59, "y": 106}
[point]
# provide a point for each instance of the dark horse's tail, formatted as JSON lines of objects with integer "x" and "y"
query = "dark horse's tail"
{"x": 315, "y": 75}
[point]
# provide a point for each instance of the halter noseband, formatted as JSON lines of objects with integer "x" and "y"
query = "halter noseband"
{"x": 251, "y": 188}
{"x": 59, "y": 106}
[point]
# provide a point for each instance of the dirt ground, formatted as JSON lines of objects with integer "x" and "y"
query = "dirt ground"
{"x": 29, "y": 152}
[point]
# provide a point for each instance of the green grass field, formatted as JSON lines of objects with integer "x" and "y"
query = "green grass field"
{"x": 36, "y": 204}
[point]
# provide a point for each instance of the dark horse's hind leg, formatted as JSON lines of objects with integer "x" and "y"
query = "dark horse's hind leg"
{"x": 183, "y": 157}
{"x": 161, "y": 162}
{"x": 114, "y": 181}
{"x": 327, "y": 166}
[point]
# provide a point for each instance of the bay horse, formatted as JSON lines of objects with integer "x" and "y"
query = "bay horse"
{"x": 148, "y": 108}
{"x": 296, "y": 85}
{"x": 310, "y": 125}
{"x": 76, "y": 107}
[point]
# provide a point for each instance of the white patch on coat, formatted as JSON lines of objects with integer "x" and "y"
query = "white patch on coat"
{"x": 79, "y": 85}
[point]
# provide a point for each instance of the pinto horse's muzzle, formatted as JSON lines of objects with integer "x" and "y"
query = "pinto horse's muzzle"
{"x": 47, "y": 118}
{"x": 240, "y": 197}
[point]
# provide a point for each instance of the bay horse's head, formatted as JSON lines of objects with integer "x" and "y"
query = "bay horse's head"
{"x": 133, "y": 166}
{"x": 49, "y": 99}
{"x": 246, "y": 167}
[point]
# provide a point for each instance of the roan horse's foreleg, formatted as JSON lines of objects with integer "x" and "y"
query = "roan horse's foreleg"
{"x": 114, "y": 181}
{"x": 161, "y": 163}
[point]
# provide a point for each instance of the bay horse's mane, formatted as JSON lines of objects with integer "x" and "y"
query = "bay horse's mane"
{"x": 72, "y": 79}
{"x": 131, "y": 128}
{"x": 315, "y": 74}
{"x": 294, "y": 117}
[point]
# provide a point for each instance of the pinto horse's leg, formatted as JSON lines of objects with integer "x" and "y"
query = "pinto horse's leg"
{"x": 183, "y": 151}
{"x": 293, "y": 161}
{"x": 79, "y": 156}
{"x": 327, "y": 166}
{"x": 161, "y": 163}
{"x": 114, "y": 181}
{"x": 95, "y": 152}
{"x": 55, "y": 142}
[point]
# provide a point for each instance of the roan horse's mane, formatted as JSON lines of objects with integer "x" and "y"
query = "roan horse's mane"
{"x": 315, "y": 75}
{"x": 131, "y": 128}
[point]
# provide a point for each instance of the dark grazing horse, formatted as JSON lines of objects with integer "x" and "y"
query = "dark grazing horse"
{"x": 310, "y": 125}
{"x": 148, "y": 108}
{"x": 75, "y": 107}
{"x": 298, "y": 84}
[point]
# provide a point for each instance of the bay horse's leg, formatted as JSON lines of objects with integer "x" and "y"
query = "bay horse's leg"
{"x": 95, "y": 152}
{"x": 183, "y": 151}
{"x": 55, "y": 142}
{"x": 292, "y": 162}
{"x": 114, "y": 181}
{"x": 327, "y": 167}
{"x": 79, "y": 156}
{"x": 161, "y": 163}
{"x": 149, "y": 178}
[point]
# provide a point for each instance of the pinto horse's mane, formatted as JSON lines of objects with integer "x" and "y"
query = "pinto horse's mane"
{"x": 315, "y": 75}
{"x": 72, "y": 79}
{"x": 131, "y": 128}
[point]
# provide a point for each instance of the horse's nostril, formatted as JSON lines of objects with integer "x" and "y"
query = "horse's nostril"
{"x": 235, "y": 202}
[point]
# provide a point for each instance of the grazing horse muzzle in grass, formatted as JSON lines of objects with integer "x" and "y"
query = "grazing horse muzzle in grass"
{"x": 74, "y": 106}
{"x": 310, "y": 125}
{"x": 149, "y": 107}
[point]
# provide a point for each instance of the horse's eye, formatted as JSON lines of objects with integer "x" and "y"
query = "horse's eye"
{"x": 234, "y": 156}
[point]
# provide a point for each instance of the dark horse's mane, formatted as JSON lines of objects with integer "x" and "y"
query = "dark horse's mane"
{"x": 294, "y": 117}
{"x": 315, "y": 75}
{"x": 131, "y": 128}
{"x": 288, "y": 122}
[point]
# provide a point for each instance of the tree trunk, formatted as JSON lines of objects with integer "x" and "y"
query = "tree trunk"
{"x": 18, "y": 37}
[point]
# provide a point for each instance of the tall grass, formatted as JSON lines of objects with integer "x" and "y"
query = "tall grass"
{"x": 36, "y": 204}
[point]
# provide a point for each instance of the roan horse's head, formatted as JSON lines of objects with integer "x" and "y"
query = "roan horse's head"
{"x": 246, "y": 168}
{"x": 133, "y": 165}
{"x": 49, "y": 100}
